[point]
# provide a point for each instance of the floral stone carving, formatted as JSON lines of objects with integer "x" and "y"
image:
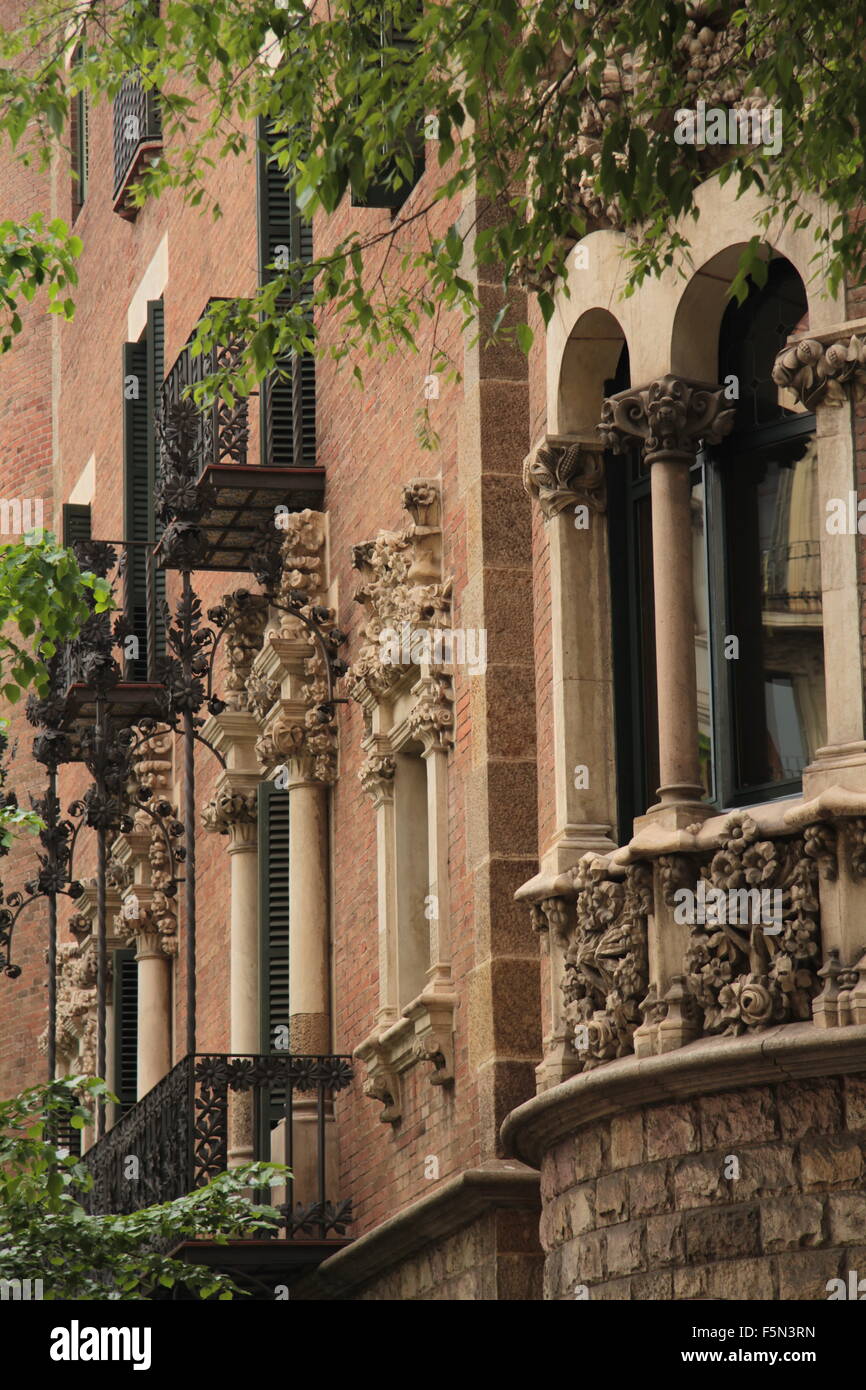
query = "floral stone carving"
{"x": 606, "y": 969}
{"x": 753, "y": 974}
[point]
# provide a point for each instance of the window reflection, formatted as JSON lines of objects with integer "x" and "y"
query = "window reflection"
{"x": 703, "y": 665}
{"x": 773, "y": 529}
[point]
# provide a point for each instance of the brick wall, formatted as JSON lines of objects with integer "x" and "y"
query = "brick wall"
{"x": 25, "y": 472}
{"x": 643, "y": 1207}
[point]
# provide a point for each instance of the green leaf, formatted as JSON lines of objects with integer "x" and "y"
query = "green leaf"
{"x": 525, "y": 337}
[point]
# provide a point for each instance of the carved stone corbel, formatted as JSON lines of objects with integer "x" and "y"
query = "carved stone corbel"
{"x": 76, "y": 1005}
{"x": 376, "y": 776}
{"x": 244, "y": 628}
{"x": 382, "y": 1082}
{"x": 287, "y": 686}
{"x": 431, "y": 718}
{"x": 820, "y": 373}
{"x": 561, "y": 472}
{"x": 433, "y": 1018}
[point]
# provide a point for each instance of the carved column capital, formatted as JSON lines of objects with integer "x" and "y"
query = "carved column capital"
{"x": 562, "y": 472}
{"x": 670, "y": 416}
{"x": 233, "y": 812}
{"x": 431, "y": 718}
{"x": 820, "y": 373}
{"x": 299, "y": 739}
{"x": 153, "y": 931}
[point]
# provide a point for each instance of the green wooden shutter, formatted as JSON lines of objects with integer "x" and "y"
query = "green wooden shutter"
{"x": 143, "y": 369}
{"x": 273, "y": 830}
{"x": 76, "y": 522}
{"x": 288, "y": 401}
{"x": 155, "y": 377}
{"x": 125, "y": 1002}
{"x": 137, "y": 492}
{"x": 390, "y": 190}
{"x": 81, "y": 147}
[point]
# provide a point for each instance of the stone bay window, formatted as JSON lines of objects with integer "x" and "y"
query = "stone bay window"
{"x": 708, "y": 729}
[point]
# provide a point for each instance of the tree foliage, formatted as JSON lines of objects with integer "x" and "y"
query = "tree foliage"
{"x": 550, "y": 117}
{"x": 46, "y": 1232}
{"x": 45, "y": 598}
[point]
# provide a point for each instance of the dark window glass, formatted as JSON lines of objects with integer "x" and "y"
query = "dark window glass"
{"x": 774, "y": 581}
{"x": 759, "y": 653}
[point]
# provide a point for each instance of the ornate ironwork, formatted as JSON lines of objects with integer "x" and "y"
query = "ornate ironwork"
{"x": 222, "y": 431}
{"x": 179, "y": 1134}
{"x": 137, "y": 123}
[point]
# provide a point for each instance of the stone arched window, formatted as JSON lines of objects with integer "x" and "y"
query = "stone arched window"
{"x": 755, "y": 529}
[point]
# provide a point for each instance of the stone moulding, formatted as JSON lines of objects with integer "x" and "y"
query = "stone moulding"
{"x": 786, "y": 1052}
{"x": 500, "y": 1185}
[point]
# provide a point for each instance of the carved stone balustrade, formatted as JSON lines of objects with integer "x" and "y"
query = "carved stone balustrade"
{"x": 743, "y": 922}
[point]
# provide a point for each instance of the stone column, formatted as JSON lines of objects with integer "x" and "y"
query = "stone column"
{"x": 154, "y": 1007}
{"x": 309, "y": 937}
{"x": 827, "y": 374}
{"x": 669, "y": 418}
{"x": 244, "y": 1013}
{"x": 232, "y": 812}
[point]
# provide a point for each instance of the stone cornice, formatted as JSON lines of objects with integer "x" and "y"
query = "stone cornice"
{"x": 669, "y": 416}
{"x": 500, "y": 1185}
{"x": 789, "y": 1052}
{"x": 563, "y": 471}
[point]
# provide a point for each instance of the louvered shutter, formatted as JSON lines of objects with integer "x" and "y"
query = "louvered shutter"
{"x": 82, "y": 151}
{"x": 76, "y": 522}
{"x": 155, "y": 377}
{"x": 81, "y": 142}
{"x": 381, "y": 193}
{"x": 274, "y": 916}
{"x": 143, "y": 369}
{"x": 273, "y": 823}
{"x": 137, "y": 493}
{"x": 125, "y": 1002}
{"x": 288, "y": 398}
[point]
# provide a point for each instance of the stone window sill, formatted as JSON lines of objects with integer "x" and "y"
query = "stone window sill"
{"x": 424, "y": 1033}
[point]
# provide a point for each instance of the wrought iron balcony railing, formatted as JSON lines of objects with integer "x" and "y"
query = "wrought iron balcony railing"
{"x": 137, "y": 133}
{"x": 119, "y": 651}
{"x": 181, "y": 1131}
{"x": 224, "y": 430}
{"x": 211, "y": 483}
